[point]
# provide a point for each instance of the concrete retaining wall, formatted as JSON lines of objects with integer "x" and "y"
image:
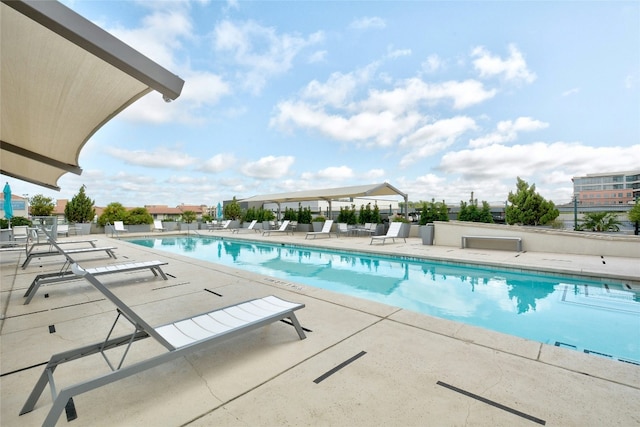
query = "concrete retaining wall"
{"x": 536, "y": 239}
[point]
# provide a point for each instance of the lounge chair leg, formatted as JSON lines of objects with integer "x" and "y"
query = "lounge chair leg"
{"x": 297, "y": 325}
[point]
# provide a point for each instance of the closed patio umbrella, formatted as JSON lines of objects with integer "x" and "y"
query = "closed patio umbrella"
{"x": 219, "y": 211}
{"x": 8, "y": 207}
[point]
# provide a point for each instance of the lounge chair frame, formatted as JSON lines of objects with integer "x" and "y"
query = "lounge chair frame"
{"x": 59, "y": 251}
{"x": 392, "y": 233}
{"x": 284, "y": 228}
{"x": 326, "y": 230}
{"x": 250, "y": 227}
{"x": 65, "y": 275}
{"x": 142, "y": 330}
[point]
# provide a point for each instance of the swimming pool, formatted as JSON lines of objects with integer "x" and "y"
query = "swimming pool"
{"x": 582, "y": 314}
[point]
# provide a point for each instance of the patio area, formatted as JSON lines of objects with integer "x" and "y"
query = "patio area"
{"x": 362, "y": 363}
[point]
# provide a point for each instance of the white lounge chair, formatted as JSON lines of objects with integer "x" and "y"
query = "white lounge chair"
{"x": 118, "y": 226}
{"x": 66, "y": 275}
{"x": 369, "y": 229}
{"x": 20, "y": 233}
{"x": 250, "y": 227}
{"x": 392, "y": 233}
{"x": 326, "y": 230}
{"x": 343, "y": 228}
{"x": 157, "y": 225}
{"x": 66, "y": 253}
{"x": 224, "y": 225}
{"x": 179, "y": 338}
{"x": 63, "y": 229}
{"x": 284, "y": 228}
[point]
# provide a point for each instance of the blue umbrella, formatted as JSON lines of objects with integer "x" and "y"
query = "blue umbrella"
{"x": 219, "y": 211}
{"x": 8, "y": 207}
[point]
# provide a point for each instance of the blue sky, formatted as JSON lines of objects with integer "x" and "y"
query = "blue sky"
{"x": 437, "y": 98}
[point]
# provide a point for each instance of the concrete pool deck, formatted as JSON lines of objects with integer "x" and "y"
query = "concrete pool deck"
{"x": 362, "y": 364}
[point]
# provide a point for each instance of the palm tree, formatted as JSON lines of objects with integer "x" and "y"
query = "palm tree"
{"x": 601, "y": 221}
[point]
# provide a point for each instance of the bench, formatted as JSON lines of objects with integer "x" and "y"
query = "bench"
{"x": 517, "y": 240}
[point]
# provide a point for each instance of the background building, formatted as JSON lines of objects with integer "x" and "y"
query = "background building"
{"x": 602, "y": 189}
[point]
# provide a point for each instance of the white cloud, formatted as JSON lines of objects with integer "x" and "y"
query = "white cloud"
{"x": 571, "y": 91}
{"x": 159, "y": 36}
{"x": 497, "y": 161}
{"x": 162, "y": 36}
{"x": 332, "y": 173}
{"x": 514, "y": 68}
{"x": 382, "y": 117}
{"x": 268, "y": 167}
{"x": 368, "y": 22}
{"x": 219, "y": 163}
{"x": 317, "y": 56}
{"x": 507, "y": 131}
{"x": 432, "y": 64}
{"x": 160, "y": 157}
{"x": 397, "y": 53}
{"x": 260, "y": 50}
{"x": 201, "y": 91}
{"x": 373, "y": 175}
{"x": 434, "y": 138}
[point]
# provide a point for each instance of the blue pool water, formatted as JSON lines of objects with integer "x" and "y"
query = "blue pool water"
{"x": 586, "y": 315}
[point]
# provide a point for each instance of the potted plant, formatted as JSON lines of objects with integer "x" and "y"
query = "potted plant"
{"x": 139, "y": 220}
{"x": 80, "y": 211}
{"x": 233, "y": 212}
{"x": 318, "y": 223}
{"x": 188, "y": 217}
{"x": 432, "y": 211}
{"x": 304, "y": 219}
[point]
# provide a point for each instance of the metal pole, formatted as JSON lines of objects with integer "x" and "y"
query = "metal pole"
{"x": 575, "y": 212}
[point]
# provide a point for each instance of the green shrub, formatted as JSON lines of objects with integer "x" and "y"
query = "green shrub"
{"x": 188, "y": 217}
{"x": 290, "y": 214}
{"x": 433, "y": 211}
{"x": 15, "y": 221}
{"x": 80, "y": 209}
{"x": 138, "y": 216}
{"x": 348, "y": 215}
{"x": 113, "y": 212}
{"x": 304, "y": 215}
{"x": 232, "y": 210}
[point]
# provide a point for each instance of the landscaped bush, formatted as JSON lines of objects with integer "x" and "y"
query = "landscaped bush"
{"x": 113, "y": 212}
{"x": 232, "y": 210}
{"x": 187, "y": 217}
{"x": 348, "y": 215}
{"x": 433, "y": 211}
{"x": 290, "y": 214}
{"x": 15, "y": 221}
{"x": 138, "y": 216}
{"x": 80, "y": 209}
{"x": 304, "y": 215}
{"x": 260, "y": 215}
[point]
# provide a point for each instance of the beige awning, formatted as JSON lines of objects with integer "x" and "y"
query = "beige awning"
{"x": 370, "y": 190}
{"x": 62, "y": 78}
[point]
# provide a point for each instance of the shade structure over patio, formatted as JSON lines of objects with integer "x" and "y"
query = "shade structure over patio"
{"x": 329, "y": 194}
{"x": 62, "y": 79}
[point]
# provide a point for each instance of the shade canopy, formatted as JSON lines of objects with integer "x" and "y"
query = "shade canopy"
{"x": 62, "y": 78}
{"x": 371, "y": 190}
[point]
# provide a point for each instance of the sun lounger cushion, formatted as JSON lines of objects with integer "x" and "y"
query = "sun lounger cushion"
{"x": 209, "y": 325}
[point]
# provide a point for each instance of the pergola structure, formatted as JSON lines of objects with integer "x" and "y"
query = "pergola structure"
{"x": 62, "y": 79}
{"x": 330, "y": 194}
